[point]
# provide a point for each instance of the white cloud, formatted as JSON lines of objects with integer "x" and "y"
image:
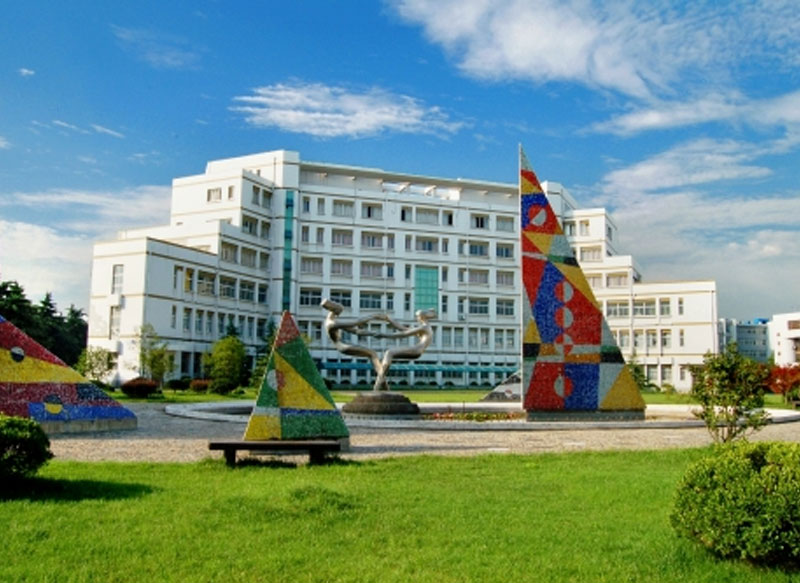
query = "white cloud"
{"x": 159, "y": 50}
{"x": 26, "y": 72}
{"x": 636, "y": 48}
{"x": 68, "y": 126}
{"x": 327, "y": 111}
{"x": 104, "y": 130}
{"x": 733, "y": 108}
{"x": 44, "y": 260}
{"x": 4, "y": 144}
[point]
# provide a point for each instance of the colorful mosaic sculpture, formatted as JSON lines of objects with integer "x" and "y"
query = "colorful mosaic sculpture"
{"x": 293, "y": 402}
{"x": 35, "y": 383}
{"x": 570, "y": 359}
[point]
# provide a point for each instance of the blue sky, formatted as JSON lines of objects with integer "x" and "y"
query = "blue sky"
{"x": 683, "y": 118}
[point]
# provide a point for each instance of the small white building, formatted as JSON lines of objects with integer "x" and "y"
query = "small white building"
{"x": 784, "y": 338}
{"x": 259, "y": 234}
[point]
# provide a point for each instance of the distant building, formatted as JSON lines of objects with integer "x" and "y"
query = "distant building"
{"x": 258, "y": 234}
{"x": 784, "y": 335}
{"x": 751, "y": 337}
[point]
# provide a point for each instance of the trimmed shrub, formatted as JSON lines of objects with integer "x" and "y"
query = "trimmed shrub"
{"x": 744, "y": 502}
{"x": 24, "y": 447}
{"x": 199, "y": 385}
{"x": 180, "y": 384}
{"x": 139, "y": 388}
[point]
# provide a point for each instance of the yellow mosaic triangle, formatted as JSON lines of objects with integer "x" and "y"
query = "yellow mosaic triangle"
{"x": 624, "y": 394}
{"x": 295, "y": 392}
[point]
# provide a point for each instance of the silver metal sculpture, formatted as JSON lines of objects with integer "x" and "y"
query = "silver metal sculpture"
{"x": 422, "y": 329}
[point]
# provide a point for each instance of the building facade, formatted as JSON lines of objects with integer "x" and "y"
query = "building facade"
{"x": 784, "y": 337}
{"x": 751, "y": 337}
{"x": 256, "y": 235}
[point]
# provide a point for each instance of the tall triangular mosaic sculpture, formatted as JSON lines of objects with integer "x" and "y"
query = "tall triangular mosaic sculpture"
{"x": 570, "y": 359}
{"x": 293, "y": 402}
{"x": 36, "y": 384}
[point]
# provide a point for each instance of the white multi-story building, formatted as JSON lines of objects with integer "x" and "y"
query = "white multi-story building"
{"x": 784, "y": 338}
{"x": 259, "y": 234}
{"x": 751, "y": 337}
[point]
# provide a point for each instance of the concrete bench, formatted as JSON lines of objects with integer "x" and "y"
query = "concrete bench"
{"x": 316, "y": 448}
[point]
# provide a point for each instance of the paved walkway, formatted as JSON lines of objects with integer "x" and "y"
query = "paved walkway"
{"x": 167, "y": 438}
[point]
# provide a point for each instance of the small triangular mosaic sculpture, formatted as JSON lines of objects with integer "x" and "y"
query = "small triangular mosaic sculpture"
{"x": 570, "y": 359}
{"x": 293, "y": 402}
{"x": 36, "y": 384}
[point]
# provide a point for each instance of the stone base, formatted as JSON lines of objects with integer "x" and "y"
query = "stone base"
{"x": 587, "y": 416}
{"x": 88, "y": 425}
{"x": 381, "y": 403}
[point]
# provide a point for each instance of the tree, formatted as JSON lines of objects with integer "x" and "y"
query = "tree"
{"x": 785, "y": 380}
{"x": 226, "y": 365}
{"x": 96, "y": 363}
{"x": 154, "y": 358}
{"x": 730, "y": 389}
{"x": 639, "y": 376}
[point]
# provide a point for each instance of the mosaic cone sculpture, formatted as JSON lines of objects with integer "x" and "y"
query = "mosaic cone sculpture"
{"x": 293, "y": 402}
{"x": 570, "y": 359}
{"x": 35, "y": 383}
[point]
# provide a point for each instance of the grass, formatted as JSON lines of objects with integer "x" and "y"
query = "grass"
{"x": 566, "y": 517}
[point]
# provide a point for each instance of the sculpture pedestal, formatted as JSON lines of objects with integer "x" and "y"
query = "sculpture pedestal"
{"x": 381, "y": 403}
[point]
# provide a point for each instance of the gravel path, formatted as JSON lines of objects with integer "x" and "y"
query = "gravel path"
{"x": 165, "y": 438}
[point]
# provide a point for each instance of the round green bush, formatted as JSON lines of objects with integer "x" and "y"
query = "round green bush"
{"x": 24, "y": 447}
{"x": 744, "y": 502}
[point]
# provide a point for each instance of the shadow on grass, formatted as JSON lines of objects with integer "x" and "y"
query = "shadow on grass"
{"x": 53, "y": 490}
{"x": 272, "y": 462}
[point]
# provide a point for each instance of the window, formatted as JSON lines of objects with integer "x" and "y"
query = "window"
{"x": 248, "y": 257}
{"x": 372, "y": 240}
{"x": 249, "y": 225}
{"x": 680, "y": 306}
{"x": 652, "y": 339}
{"x": 447, "y": 218}
{"x": 341, "y": 238}
{"x": 256, "y": 195}
{"x": 188, "y": 280}
{"x": 664, "y": 307}
{"x": 569, "y": 228}
{"x": 680, "y": 338}
{"x": 227, "y": 288}
{"x": 479, "y": 221}
{"x": 231, "y": 192}
{"x": 444, "y": 304}
{"x": 228, "y": 252}
{"x": 320, "y": 235}
{"x": 428, "y": 216}
{"x": 304, "y": 234}
{"x": 427, "y": 244}
{"x": 320, "y": 206}
{"x": 213, "y": 195}
{"x": 310, "y": 297}
{"x": 306, "y": 204}
{"x": 594, "y": 281}
{"x": 344, "y": 297}
{"x": 617, "y": 280}
{"x": 116, "y": 279}
{"x": 458, "y": 337}
{"x": 479, "y": 306}
{"x": 644, "y": 307}
{"x": 407, "y": 302}
{"x": 478, "y": 276}
{"x": 504, "y": 251}
{"x": 187, "y": 319}
{"x": 584, "y": 228}
{"x": 342, "y": 267}
{"x": 173, "y": 320}
{"x": 342, "y": 208}
{"x": 263, "y": 261}
{"x": 666, "y": 339}
{"x": 624, "y": 339}
{"x": 371, "y": 211}
{"x": 505, "y": 278}
{"x": 371, "y": 269}
{"x": 638, "y": 339}
{"x": 113, "y": 322}
{"x": 617, "y": 309}
{"x": 505, "y": 224}
{"x": 405, "y": 214}
{"x": 609, "y": 233}
{"x": 505, "y": 307}
{"x": 370, "y": 301}
{"x": 444, "y": 274}
{"x": 261, "y": 328}
{"x": 591, "y": 254}
{"x": 198, "y": 322}
{"x": 478, "y": 249}
{"x": 311, "y": 265}
{"x": 177, "y": 276}
{"x": 209, "y": 323}
{"x": 205, "y": 283}
{"x": 262, "y": 293}
{"x": 247, "y": 291}
{"x": 666, "y": 373}
{"x": 511, "y": 338}
{"x": 266, "y": 198}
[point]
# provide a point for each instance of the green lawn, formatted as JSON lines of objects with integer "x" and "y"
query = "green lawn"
{"x": 566, "y": 517}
